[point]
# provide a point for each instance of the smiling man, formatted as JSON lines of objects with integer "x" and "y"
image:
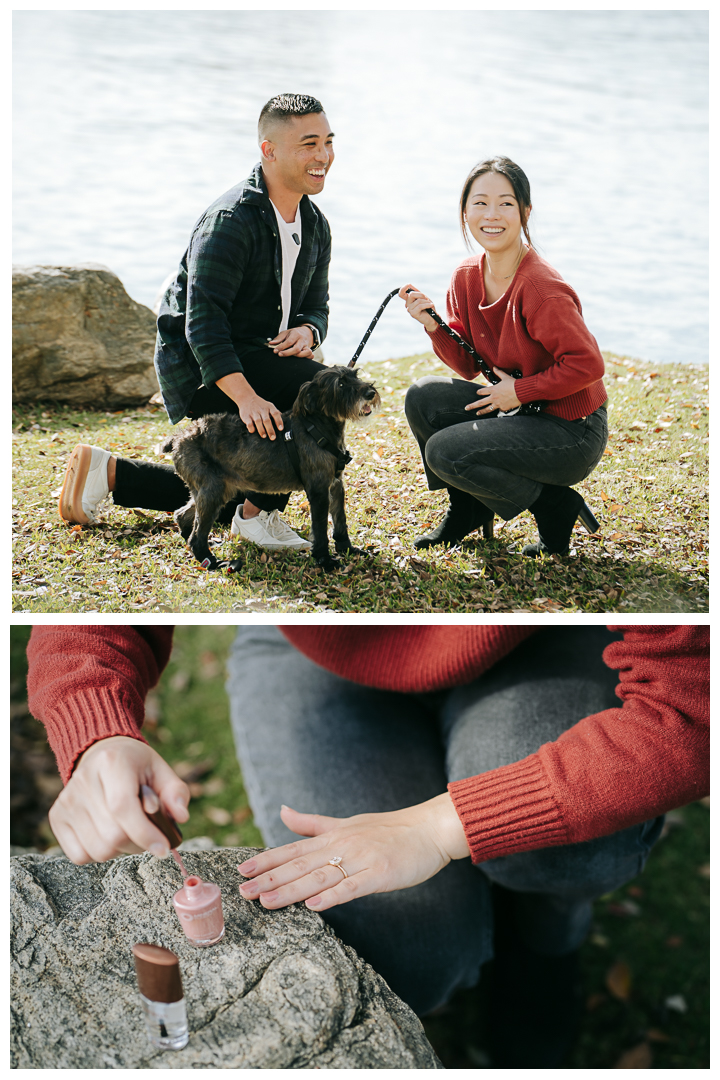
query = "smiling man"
{"x": 239, "y": 323}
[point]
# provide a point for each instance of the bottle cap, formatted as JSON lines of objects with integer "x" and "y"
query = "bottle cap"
{"x": 158, "y": 973}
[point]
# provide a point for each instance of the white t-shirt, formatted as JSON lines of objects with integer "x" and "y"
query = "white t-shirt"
{"x": 290, "y": 240}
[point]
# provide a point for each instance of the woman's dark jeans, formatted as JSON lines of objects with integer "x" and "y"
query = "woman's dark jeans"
{"x": 153, "y": 486}
{"x": 502, "y": 461}
{"x": 324, "y": 745}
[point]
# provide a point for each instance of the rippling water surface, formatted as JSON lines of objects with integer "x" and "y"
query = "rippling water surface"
{"x": 128, "y": 124}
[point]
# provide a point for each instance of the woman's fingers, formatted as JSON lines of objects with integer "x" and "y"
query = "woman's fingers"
{"x": 307, "y": 824}
{"x": 268, "y": 860}
{"x": 360, "y": 884}
{"x": 290, "y": 887}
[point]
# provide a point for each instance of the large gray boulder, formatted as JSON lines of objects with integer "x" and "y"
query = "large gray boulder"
{"x": 280, "y": 991}
{"x": 78, "y": 338}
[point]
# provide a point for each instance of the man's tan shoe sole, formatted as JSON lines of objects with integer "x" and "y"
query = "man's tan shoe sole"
{"x": 70, "y": 505}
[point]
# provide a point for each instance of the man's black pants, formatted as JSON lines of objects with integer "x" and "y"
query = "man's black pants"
{"x": 152, "y": 486}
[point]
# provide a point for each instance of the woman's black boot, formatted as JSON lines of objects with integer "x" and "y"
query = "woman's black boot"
{"x": 463, "y": 516}
{"x": 556, "y": 511}
{"x": 535, "y": 1001}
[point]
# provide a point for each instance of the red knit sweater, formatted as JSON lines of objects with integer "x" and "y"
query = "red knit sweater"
{"x": 536, "y": 326}
{"x": 611, "y": 770}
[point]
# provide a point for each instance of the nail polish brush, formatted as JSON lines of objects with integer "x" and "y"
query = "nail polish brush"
{"x": 165, "y": 824}
{"x": 198, "y": 903}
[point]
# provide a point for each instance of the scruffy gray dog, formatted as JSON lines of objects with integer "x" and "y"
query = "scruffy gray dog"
{"x": 217, "y": 456}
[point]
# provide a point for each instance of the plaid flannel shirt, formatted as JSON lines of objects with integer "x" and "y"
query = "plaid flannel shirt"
{"x": 225, "y": 299}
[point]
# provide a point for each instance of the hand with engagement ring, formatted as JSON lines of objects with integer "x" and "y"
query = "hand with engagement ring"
{"x": 372, "y": 852}
{"x": 500, "y": 396}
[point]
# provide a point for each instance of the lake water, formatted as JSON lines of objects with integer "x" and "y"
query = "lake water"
{"x": 128, "y": 124}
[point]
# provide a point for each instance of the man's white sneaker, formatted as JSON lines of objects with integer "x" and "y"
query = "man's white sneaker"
{"x": 268, "y": 530}
{"x": 85, "y": 485}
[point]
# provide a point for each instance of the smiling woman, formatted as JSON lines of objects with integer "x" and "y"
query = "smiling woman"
{"x": 521, "y": 317}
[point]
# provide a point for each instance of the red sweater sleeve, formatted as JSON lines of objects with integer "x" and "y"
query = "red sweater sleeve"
{"x": 560, "y": 328}
{"x": 612, "y": 770}
{"x": 89, "y": 682}
{"x": 443, "y": 345}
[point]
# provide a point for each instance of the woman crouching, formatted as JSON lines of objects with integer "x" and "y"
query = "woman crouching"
{"x": 520, "y": 316}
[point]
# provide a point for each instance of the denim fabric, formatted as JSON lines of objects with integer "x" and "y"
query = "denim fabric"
{"x": 322, "y": 744}
{"x": 502, "y": 461}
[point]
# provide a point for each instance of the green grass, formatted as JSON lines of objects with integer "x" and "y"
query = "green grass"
{"x": 662, "y": 935}
{"x": 649, "y": 492}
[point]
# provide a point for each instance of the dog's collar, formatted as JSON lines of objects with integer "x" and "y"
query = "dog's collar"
{"x": 324, "y": 441}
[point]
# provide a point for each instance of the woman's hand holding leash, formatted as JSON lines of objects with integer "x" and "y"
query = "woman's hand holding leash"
{"x": 416, "y": 304}
{"x": 350, "y": 857}
{"x": 500, "y": 396}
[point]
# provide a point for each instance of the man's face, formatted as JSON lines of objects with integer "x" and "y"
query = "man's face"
{"x": 300, "y": 153}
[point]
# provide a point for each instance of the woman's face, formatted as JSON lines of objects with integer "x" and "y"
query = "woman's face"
{"x": 493, "y": 213}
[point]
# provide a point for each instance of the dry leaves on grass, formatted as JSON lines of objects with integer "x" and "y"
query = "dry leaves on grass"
{"x": 618, "y": 980}
{"x": 639, "y": 1057}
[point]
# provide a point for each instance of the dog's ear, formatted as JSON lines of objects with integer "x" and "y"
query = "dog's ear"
{"x": 306, "y": 402}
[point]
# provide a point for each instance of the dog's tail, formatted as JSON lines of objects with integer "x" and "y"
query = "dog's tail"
{"x": 167, "y": 446}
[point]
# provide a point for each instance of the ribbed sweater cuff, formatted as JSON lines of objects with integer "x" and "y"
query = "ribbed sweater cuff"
{"x": 90, "y": 714}
{"x": 508, "y": 810}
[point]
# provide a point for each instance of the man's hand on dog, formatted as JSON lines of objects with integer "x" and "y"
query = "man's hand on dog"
{"x": 258, "y": 415}
{"x": 295, "y": 342}
{"x": 255, "y": 412}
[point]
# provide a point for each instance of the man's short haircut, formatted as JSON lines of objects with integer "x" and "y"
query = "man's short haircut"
{"x": 284, "y": 107}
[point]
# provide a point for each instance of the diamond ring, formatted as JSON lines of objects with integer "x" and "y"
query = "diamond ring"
{"x": 336, "y": 861}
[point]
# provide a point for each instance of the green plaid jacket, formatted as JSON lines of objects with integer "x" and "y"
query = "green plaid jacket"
{"x": 225, "y": 298}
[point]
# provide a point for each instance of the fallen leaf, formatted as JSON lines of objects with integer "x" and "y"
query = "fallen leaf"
{"x": 241, "y": 815}
{"x": 190, "y": 772}
{"x": 640, "y": 1057}
{"x": 218, "y": 815}
{"x": 674, "y": 942}
{"x": 704, "y": 870}
{"x": 656, "y": 1036}
{"x": 677, "y": 1003}
{"x": 214, "y": 786}
{"x": 624, "y": 908}
{"x": 638, "y": 425}
{"x": 618, "y": 980}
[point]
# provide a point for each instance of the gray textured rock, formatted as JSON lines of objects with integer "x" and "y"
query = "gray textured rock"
{"x": 279, "y": 991}
{"x": 78, "y": 338}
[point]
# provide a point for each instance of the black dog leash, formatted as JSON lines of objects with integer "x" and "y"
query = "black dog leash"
{"x": 530, "y": 408}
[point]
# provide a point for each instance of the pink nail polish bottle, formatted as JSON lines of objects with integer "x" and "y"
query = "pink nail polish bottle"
{"x": 199, "y": 909}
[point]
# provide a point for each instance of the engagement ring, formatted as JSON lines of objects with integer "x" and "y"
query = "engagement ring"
{"x": 336, "y": 861}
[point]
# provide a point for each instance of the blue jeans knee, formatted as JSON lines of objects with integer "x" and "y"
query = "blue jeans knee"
{"x": 554, "y": 887}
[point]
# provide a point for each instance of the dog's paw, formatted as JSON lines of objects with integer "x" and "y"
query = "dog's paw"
{"x": 350, "y": 549}
{"x": 328, "y": 562}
